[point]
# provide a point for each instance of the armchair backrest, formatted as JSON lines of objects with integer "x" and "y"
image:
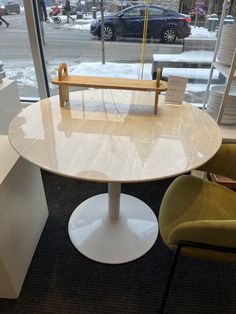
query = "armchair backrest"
{"x": 223, "y": 163}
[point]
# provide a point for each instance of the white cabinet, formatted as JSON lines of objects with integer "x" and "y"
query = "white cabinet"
{"x": 23, "y": 214}
{"x": 23, "y": 207}
{"x": 9, "y": 104}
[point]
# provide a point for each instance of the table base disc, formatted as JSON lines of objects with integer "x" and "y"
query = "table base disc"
{"x": 113, "y": 241}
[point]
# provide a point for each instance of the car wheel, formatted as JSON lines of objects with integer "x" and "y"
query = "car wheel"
{"x": 169, "y": 35}
{"x": 18, "y": 11}
{"x": 8, "y": 12}
{"x": 108, "y": 33}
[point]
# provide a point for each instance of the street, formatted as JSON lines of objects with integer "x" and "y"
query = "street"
{"x": 74, "y": 45}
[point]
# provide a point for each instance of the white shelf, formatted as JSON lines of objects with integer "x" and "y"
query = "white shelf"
{"x": 229, "y": 80}
{"x": 230, "y": 74}
{"x": 223, "y": 69}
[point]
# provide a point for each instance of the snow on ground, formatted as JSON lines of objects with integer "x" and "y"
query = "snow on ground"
{"x": 192, "y": 88}
{"x": 123, "y": 70}
{"x": 200, "y": 74}
{"x": 189, "y": 56}
{"x": 201, "y": 32}
{"x": 131, "y": 70}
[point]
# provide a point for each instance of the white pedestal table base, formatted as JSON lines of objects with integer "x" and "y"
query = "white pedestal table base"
{"x": 113, "y": 240}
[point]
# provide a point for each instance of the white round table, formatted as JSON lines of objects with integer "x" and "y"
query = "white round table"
{"x": 113, "y": 136}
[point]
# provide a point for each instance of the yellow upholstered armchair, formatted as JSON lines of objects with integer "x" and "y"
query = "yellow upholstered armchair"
{"x": 198, "y": 217}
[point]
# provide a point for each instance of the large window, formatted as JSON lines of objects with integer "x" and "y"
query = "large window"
{"x": 77, "y": 42}
{"x": 15, "y": 53}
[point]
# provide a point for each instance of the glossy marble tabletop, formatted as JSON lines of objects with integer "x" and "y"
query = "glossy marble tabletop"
{"x": 113, "y": 136}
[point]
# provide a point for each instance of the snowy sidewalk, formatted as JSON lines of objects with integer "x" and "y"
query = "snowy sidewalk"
{"x": 199, "y": 56}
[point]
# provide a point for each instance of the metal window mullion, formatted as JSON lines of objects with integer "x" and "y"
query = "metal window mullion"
{"x": 33, "y": 26}
{"x": 228, "y": 85}
{"x": 215, "y": 52}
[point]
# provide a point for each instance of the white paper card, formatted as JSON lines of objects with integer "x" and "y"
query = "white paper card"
{"x": 176, "y": 89}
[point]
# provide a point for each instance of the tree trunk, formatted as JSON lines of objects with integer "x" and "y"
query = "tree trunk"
{"x": 211, "y": 7}
{"x": 195, "y": 21}
{"x": 231, "y": 6}
{"x": 102, "y": 30}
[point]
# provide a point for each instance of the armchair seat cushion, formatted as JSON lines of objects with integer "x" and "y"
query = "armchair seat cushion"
{"x": 200, "y": 211}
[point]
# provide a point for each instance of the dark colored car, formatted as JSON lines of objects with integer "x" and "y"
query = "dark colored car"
{"x": 163, "y": 23}
{"x": 8, "y": 7}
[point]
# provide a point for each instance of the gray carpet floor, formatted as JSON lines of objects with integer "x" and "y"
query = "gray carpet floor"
{"x": 61, "y": 280}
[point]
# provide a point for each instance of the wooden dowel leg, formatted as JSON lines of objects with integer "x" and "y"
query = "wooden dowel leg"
{"x": 156, "y": 102}
{"x": 63, "y": 95}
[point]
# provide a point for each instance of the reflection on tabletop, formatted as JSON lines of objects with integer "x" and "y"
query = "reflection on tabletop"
{"x": 113, "y": 135}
